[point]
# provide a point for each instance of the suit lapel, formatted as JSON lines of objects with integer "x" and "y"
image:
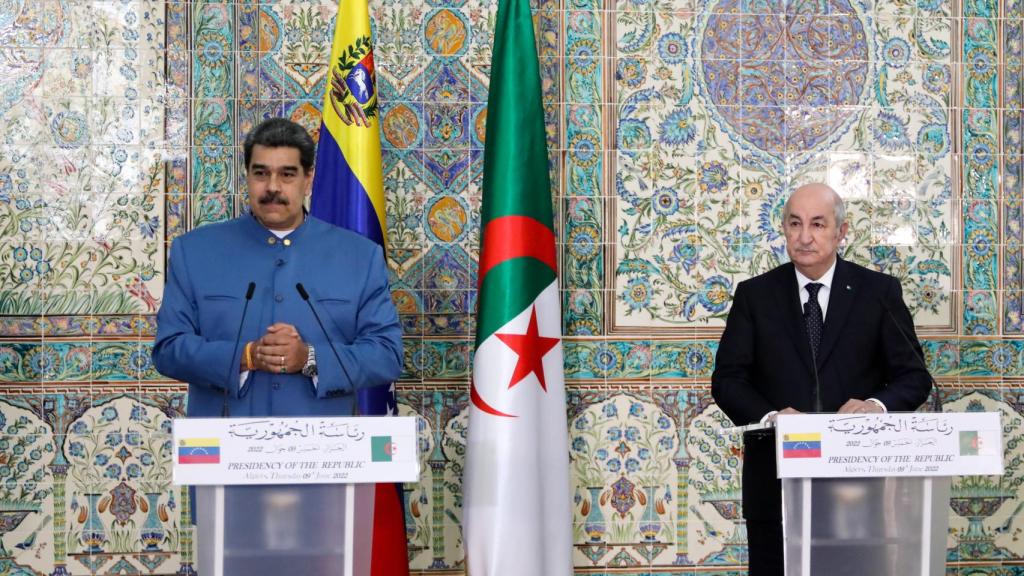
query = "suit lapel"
{"x": 840, "y": 300}
{"x": 788, "y": 297}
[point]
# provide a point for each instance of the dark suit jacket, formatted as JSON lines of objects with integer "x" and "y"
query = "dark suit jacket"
{"x": 764, "y": 361}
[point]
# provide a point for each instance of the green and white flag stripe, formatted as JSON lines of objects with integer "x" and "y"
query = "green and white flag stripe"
{"x": 517, "y": 516}
{"x": 507, "y": 290}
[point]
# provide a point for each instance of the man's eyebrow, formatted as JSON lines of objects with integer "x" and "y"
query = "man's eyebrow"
{"x": 266, "y": 167}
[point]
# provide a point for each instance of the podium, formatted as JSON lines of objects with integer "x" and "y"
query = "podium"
{"x": 271, "y": 530}
{"x": 290, "y": 495}
{"x": 868, "y": 495}
{"x": 892, "y": 526}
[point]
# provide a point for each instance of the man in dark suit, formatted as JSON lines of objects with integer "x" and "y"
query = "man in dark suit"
{"x": 818, "y": 334}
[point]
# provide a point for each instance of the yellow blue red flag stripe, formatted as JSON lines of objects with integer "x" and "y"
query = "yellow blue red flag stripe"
{"x": 348, "y": 191}
{"x": 200, "y": 442}
{"x": 199, "y": 451}
{"x": 801, "y": 445}
{"x": 804, "y": 436}
{"x": 348, "y": 188}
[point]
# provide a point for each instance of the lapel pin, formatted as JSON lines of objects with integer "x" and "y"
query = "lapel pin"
{"x": 848, "y": 287}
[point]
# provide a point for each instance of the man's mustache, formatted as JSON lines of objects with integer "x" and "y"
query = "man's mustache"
{"x": 274, "y": 197}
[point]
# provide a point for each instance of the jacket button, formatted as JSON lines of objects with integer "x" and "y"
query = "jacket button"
{"x": 280, "y": 262}
{"x": 278, "y": 298}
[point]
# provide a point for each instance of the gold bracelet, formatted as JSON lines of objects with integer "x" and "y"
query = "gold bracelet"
{"x": 248, "y": 356}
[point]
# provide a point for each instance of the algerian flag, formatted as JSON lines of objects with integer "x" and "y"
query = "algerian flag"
{"x": 517, "y": 519}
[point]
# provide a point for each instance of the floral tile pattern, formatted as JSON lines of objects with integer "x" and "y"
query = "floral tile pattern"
{"x": 674, "y": 141}
{"x": 985, "y": 508}
{"x": 80, "y": 194}
{"x": 720, "y": 115}
{"x": 86, "y": 483}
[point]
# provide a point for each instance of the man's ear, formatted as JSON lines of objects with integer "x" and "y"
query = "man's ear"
{"x": 309, "y": 183}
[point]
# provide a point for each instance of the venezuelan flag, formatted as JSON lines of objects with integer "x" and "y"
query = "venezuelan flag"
{"x": 348, "y": 188}
{"x": 348, "y": 191}
{"x": 803, "y": 445}
{"x": 199, "y": 451}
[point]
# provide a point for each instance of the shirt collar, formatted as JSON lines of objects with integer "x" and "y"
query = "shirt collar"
{"x": 262, "y": 233}
{"x": 825, "y": 280}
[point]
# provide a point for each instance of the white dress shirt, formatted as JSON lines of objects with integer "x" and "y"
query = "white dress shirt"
{"x": 823, "y": 294}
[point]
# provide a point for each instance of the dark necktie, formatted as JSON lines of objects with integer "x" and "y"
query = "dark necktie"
{"x": 812, "y": 315}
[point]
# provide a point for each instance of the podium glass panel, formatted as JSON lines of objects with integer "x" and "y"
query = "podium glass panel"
{"x": 272, "y": 530}
{"x": 865, "y": 526}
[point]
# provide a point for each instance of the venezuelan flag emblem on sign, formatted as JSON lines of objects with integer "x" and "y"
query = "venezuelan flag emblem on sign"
{"x": 806, "y": 445}
{"x": 199, "y": 451}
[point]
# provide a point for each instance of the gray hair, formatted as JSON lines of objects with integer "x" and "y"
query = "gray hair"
{"x": 838, "y": 205}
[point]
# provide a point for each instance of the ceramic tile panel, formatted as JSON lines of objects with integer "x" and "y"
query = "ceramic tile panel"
{"x": 716, "y": 129}
{"x": 673, "y": 146}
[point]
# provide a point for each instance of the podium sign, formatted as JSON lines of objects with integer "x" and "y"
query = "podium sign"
{"x": 868, "y": 494}
{"x": 320, "y": 450}
{"x": 886, "y": 445}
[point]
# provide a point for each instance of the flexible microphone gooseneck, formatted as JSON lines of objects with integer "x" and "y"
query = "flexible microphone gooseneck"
{"x": 305, "y": 296}
{"x": 906, "y": 339}
{"x": 225, "y": 412}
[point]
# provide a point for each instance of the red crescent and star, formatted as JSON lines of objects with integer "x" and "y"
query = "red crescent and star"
{"x": 506, "y": 238}
{"x": 531, "y": 348}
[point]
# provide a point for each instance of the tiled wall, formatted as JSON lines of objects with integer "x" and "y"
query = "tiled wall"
{"x": 676, "y": 130}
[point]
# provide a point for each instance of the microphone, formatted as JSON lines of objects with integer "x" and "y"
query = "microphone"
{"x": 224, "y": 412}
{"x": 910, "y": 343}
{"x": 305, "y": 296}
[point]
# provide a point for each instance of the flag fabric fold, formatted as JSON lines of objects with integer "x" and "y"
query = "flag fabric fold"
{"x": 517, "y": 516}
{"x": 348, "y": 191}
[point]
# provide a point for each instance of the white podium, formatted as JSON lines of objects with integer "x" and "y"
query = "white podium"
{"x": 290, "y": 495}
{"x": 275, "y": 529}
{"x": 868, "y": 495}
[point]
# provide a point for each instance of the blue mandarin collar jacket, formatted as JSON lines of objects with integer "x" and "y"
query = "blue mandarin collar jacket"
{"x": 345, "y": 275}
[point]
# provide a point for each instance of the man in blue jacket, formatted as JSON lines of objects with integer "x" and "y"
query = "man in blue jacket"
{"x": 284, "y": 363}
